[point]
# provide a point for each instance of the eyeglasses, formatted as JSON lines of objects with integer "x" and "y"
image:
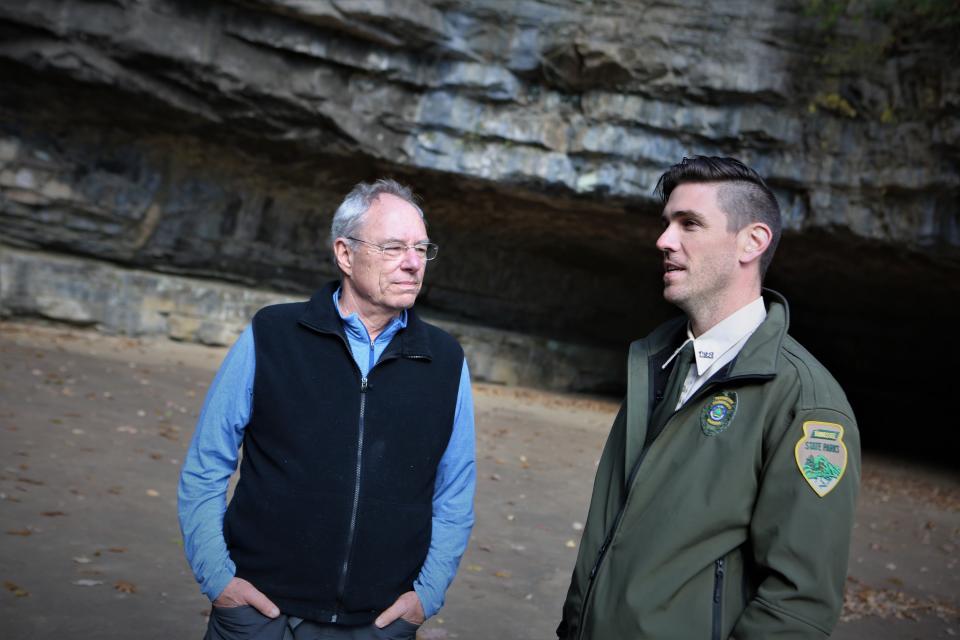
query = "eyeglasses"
{"x": 396, "y": 250}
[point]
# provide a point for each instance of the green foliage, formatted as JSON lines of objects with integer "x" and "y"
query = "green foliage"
{"x": 856, "y": 39}
{"x": 833, "y": 102}
{"x": 828, "y": 11}
{"x": 937, "y": 14}
{"x": 899, "y": 15}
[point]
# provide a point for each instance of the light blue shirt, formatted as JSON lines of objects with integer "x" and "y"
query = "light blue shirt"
{"x": 214, "y": 452}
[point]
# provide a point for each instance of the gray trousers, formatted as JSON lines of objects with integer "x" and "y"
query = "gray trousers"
{"x": 246, "y": 623}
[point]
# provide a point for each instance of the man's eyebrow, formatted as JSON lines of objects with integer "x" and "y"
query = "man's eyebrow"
{"x": 682, "y": 213}
{"x": 400, "y": 241}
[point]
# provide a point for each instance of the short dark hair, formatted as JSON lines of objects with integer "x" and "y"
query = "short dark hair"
{"x": 744, "y": 196}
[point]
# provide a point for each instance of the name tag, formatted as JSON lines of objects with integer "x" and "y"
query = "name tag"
{"x": 706, "y": 354}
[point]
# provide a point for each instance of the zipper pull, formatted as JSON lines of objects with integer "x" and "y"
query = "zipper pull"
{"x": 603, "y": 550}
{"x": 718, "y": 583}
{"x": 363, "y": 385}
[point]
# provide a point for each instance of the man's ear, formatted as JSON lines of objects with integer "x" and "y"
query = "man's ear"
{"x": 752, "y": 241}
{"x": 343, "y": 255}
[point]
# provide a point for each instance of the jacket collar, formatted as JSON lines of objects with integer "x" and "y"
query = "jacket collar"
{"x": 760, "y": 354}
{"x": 320, "y": 315}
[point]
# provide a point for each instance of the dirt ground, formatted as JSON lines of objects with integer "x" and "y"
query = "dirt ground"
{"x": 93, "y": 431}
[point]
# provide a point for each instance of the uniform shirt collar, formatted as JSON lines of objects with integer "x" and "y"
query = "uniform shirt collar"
{"x": 355, "y": 329}
{"x": 726, "y": 334}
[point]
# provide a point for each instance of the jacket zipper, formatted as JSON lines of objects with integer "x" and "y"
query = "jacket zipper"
{"x": 616, "y": 522}
{"x": 718, "y": 574}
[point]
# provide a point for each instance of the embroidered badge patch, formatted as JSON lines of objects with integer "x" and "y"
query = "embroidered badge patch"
{"x": 821, "y": 455}
{"x": 717, "y": 414}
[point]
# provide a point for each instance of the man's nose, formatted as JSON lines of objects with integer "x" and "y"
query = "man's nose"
{"x": 411, "y": 260}
{"x": 666, "y": 240}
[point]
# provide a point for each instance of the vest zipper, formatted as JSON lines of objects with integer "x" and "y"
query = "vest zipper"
{"x": 718, "y": 574}
{"x": 356, "y": 498}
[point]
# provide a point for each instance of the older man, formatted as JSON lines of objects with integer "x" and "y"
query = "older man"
{"x": 724, "y": 499}
{"x": 355, "y": 498}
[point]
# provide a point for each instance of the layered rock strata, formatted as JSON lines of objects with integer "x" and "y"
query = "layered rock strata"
{"x": 213, "y": 140}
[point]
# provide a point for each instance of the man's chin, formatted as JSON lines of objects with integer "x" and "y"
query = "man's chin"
{"x": 673, "y": 295}
{"x": 404, "y": 300}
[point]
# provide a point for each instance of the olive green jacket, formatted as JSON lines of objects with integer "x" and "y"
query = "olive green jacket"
{"x": 719, "y": 530}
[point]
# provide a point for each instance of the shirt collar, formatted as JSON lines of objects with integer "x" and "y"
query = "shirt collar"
{"x": 356, "y": 330}
{"x": 726, "y": 334}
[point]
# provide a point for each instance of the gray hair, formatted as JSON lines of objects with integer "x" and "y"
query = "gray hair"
{"x": 349, "y": 215}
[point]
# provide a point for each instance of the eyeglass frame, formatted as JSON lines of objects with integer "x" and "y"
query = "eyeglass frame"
{"x": 406, "y": 247}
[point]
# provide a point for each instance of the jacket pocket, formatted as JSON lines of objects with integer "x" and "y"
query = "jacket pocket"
{"x": 719, "y": 570}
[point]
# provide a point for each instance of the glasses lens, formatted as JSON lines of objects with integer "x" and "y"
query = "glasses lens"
{"x": 393, "y": 251}
{"x": 431, "y": 251}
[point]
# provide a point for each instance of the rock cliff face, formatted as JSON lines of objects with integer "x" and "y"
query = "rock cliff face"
{"x": 214, "y": 140}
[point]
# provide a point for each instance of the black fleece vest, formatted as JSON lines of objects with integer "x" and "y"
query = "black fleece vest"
{"x": 331, "y": 518}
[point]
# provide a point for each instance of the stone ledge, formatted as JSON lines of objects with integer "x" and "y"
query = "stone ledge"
{"x": 114, "y": 299}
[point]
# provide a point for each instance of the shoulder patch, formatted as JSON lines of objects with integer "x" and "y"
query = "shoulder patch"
{"x": 821, "y": 455}
{"x": 718, "y": 413}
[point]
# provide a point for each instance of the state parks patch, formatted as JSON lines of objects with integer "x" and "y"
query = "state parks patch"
{"x": 718, "y": 413}
{"x": 821, "y": 455}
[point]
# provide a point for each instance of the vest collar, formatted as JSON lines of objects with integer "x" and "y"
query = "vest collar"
{"x": 320, "y": 315}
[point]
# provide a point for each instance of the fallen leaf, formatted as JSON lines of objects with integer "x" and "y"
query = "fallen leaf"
{"x": 153, "y": 493}
{"x": 85, "y": 582}
{"x": 570, "y": 544}
{"x": 53, "y": 514}
{"x": 117, "y": 549}
{"x": 126, "y": 429}
{"x": 16, "y": 590}
{"x": 82, "y": 560}
{"x": 125, "y": 587}
{"x": 502, "y": 574}
{"x": 474, "y": 567}
{"x": 19, "y": 532}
